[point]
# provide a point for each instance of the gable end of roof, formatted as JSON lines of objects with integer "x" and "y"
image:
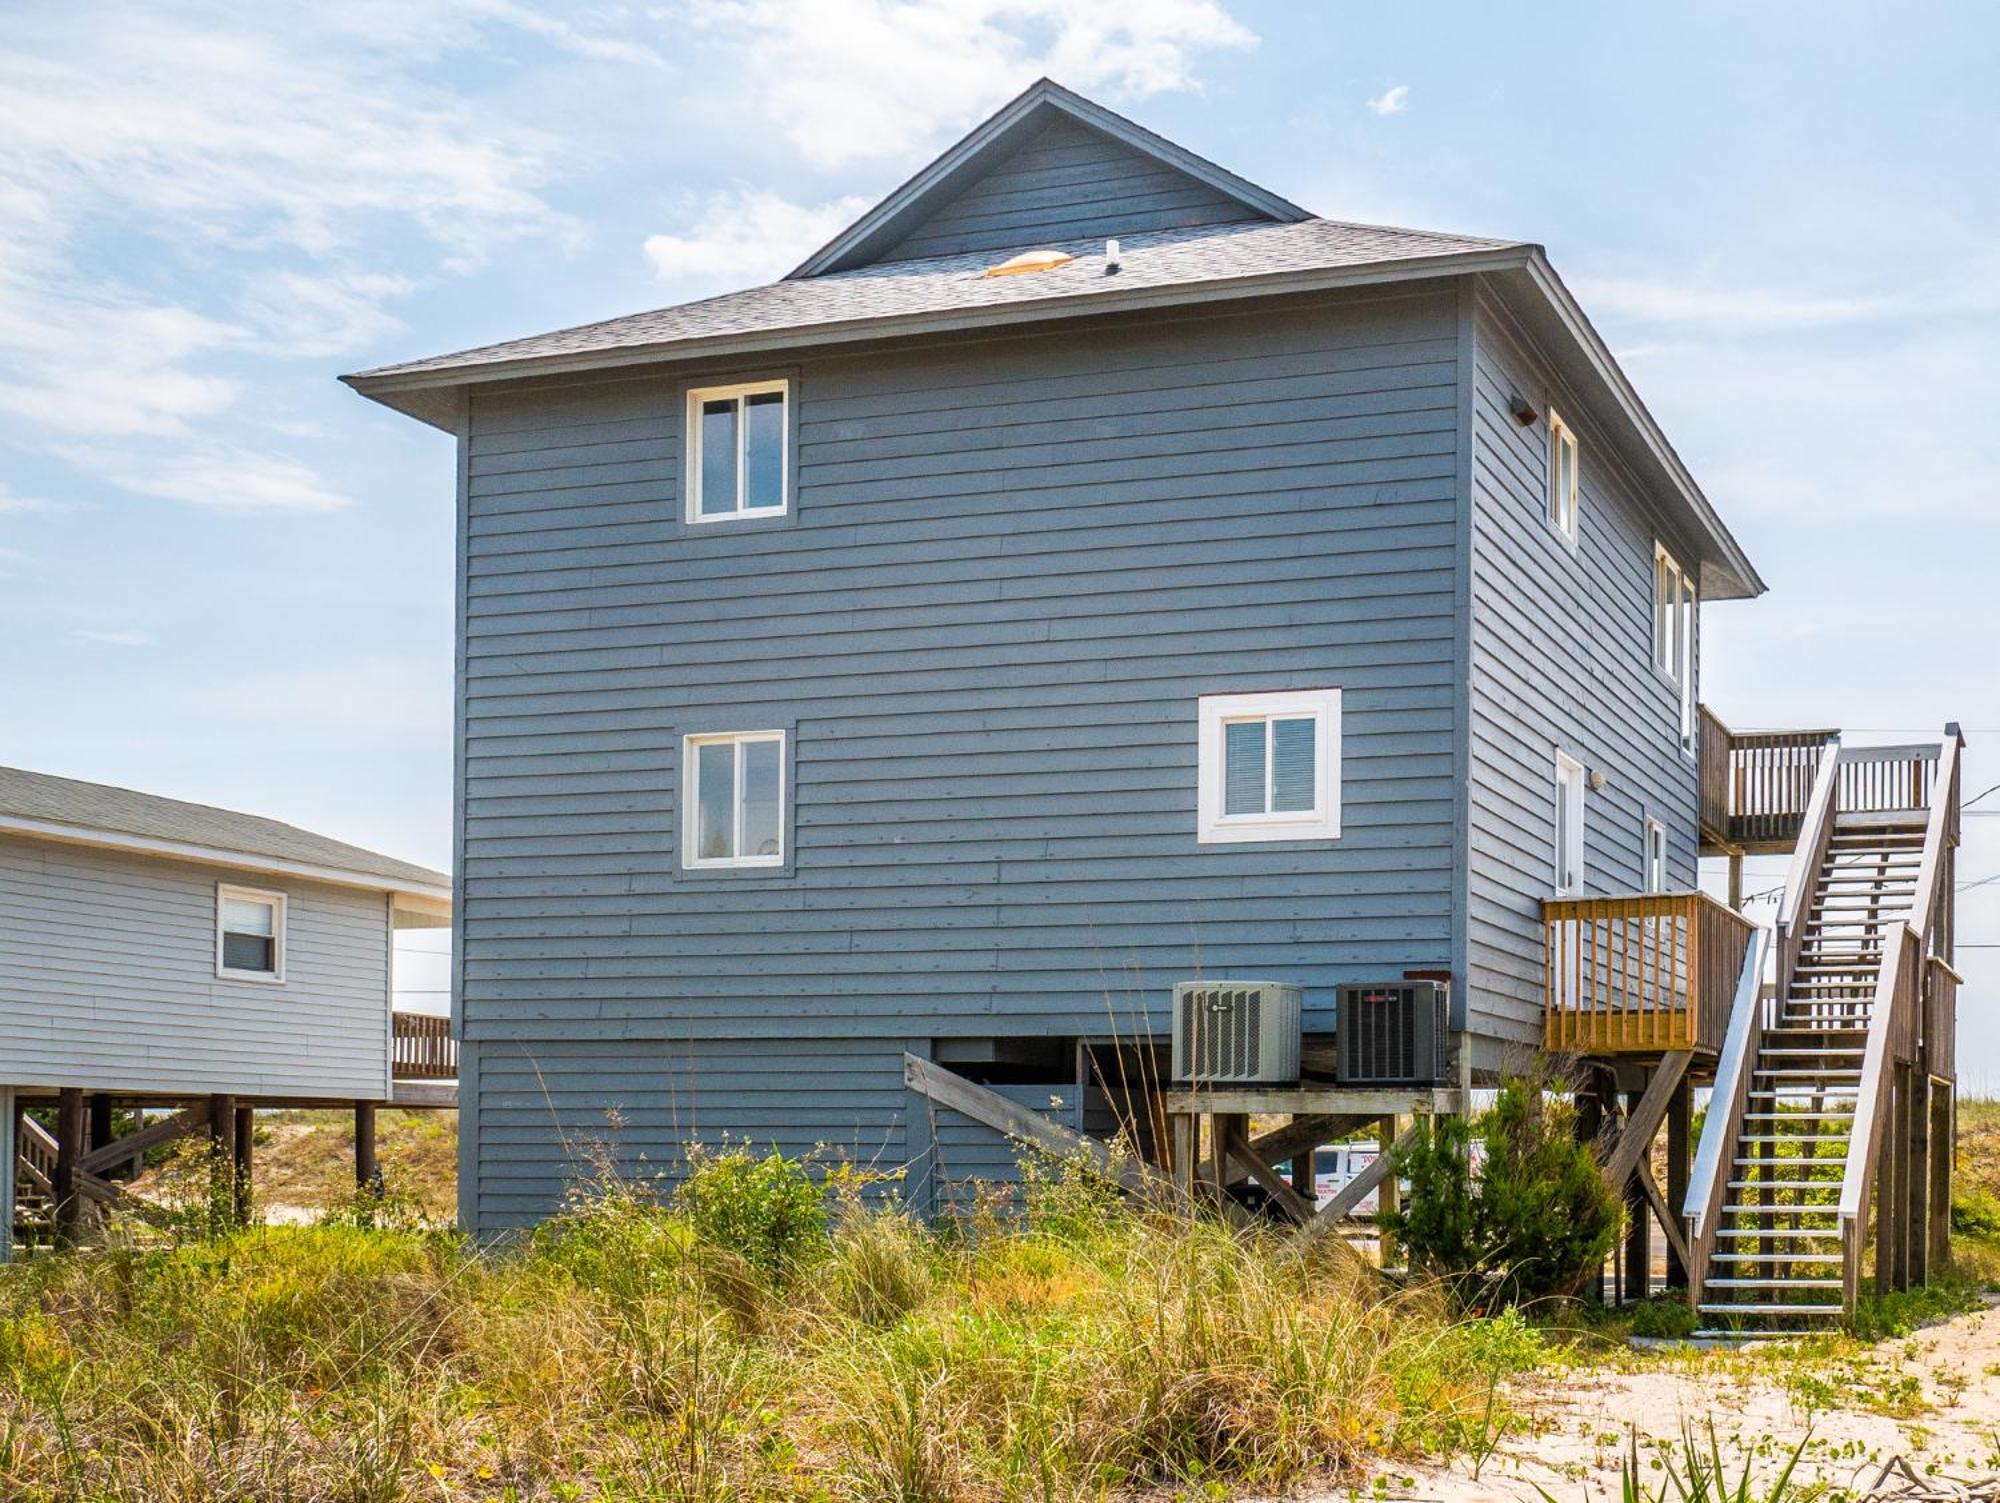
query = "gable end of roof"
{"x": 948, "y": 175}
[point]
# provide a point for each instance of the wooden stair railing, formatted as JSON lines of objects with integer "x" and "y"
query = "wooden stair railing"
{"x": 1753, "y": 1007}
{"x": 1708, "y": 1181}
{"x": 1896, "y": 1019}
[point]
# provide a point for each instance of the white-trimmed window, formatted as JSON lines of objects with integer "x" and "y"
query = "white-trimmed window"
{"x": 734, "y": 799}
{"x": 1562, "y": 477}
{"x": 738, "y": 446}
{"x": 249, "y": 934}
{"x": 1269, "y": 766}
{"x": 1656, "y": 856}
{"x": 1674, "y": 605}
{"x": 1569, "y": 826}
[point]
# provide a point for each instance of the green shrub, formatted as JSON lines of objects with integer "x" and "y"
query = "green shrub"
{"x": 767, "y": 1211}
{"x": 1976, "y": 1213}
{"x": 1670, "y": 1317}
{"x": 1533, "y": 1221}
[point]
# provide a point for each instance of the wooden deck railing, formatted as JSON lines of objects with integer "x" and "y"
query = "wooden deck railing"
{"x": 1640, "y": 974}
{"x": 1755, "y": 785}
{"x": 423, "y": 1048}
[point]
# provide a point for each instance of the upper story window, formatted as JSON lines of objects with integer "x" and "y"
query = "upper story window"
{"x": 1562, "y": 477}
{"x": 249, "y": 934}
{"x": 1674, "y": 604}
{"x": 1269, "y": 766}
{"x": 734, "y": 799}
{"x": 1656, "y": 856}
{"x": 1569, "y": 826}
{"x": 738, "y": 445}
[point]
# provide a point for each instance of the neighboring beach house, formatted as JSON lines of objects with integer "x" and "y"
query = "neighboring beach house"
{"x": 1091, "y": 572}
{"x": 162, "y": 954}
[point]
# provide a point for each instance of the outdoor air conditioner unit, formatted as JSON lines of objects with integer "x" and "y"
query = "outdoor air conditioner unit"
{"x": 1392, "y": 1034}
{"x": 1236, "y": 1032}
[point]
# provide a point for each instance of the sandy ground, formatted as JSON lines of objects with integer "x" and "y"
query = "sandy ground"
{"x": 1933, "y": 1398}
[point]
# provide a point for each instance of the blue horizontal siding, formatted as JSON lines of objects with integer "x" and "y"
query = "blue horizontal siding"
{"x": 1561, "y": 659}
{"x": 1064, "y": 182}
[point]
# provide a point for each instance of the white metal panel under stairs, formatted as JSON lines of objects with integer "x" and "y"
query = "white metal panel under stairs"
{"x": 1824, "y": 1094}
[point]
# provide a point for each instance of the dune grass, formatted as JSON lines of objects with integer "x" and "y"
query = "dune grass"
{"x": 631, "y": 1350}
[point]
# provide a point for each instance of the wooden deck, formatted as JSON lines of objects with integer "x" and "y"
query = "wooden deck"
{"x": 1641, "y": 974}
{"x": 423, "y": 1048}
{"x": 1755, "y": 786}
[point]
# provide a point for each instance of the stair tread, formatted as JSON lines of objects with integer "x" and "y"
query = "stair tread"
{"x": 1773, "y": 1283}
{"x": 1726, "y": 1308}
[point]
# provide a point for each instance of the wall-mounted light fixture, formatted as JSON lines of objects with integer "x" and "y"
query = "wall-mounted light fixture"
{"x": 1524, "y": 412}
{"x": 1597, "y": 781}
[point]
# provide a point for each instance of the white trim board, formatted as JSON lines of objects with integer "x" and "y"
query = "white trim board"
{"x": 176, "y": 850}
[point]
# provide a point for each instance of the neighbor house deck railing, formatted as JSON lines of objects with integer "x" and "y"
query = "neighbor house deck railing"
{"x": 1755, "y": 785}
{"x": 1640, "y": 974}
{"x": 422, "y": 1047}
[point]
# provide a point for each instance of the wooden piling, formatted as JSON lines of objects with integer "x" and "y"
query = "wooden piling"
{"x": 367, "y": 1172}
{"x": 70, "y": 1125}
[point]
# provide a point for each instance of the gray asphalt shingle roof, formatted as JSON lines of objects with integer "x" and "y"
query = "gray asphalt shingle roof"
{"x": 101, "y": 808}
{"x": 947, "y": 284}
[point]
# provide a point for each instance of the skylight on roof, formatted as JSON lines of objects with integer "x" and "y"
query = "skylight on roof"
{"x": 1036, "y": 260}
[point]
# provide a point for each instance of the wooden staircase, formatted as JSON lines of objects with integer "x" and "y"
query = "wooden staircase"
{"x": 1824, "y": 1090}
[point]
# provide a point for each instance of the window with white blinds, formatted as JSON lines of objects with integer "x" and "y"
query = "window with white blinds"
{"x": 1269, "y": 766}
{"x": 249, "y": 934}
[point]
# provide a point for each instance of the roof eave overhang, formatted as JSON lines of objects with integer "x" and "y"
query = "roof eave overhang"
{"x": 427, "y": 896}
{"x": 1534, "y": 287}
{"x": 433, "y": 396}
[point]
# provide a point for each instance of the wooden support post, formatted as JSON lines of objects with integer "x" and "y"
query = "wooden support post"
{"x": 221, "y": 1162}
{"x": 367, "y": 1173}
{"x": 246, "y": 1121}
{"x": 1225, "y": 1130}
{"x": 1680, "y": 1113}
{"x": 65, "y": 1192}
{"x": 1736, "y": 880}
{"x": 1389, "y": 1198}
{"x": 100, "y": 1119}
{"x": 1589, "y": 1128}
{"x": 1638, "y": 1215}
{"x": 1184, "y": 1128}
{"x": 9, "y": 1170}
{"x": 1944, "y": 1148}
{"x": 1916, "y": 1215}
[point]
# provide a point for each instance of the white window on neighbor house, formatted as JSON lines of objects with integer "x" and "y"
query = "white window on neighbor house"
{"x": 1569, "y": 826}
{"x": 1656, "y": 856}
{"x": 249, "y": 934}
{"x": 734, "y": 799}
{"x": 1674, "y": 606}
{"x": 738, "y": 447}
{"x": 1269, "y": 766}
{"x": 1562, "y": 478}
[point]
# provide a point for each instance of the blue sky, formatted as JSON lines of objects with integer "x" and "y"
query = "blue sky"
{"x": 224, "y": 577}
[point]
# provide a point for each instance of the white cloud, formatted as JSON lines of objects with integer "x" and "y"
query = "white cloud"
{"x": 214, "y": 476}
{"x": 12, "y": 500}
{"x": 1665, "y": 302}
{"x": 744, "y": 237}
{"x": 1392, "y": 101}
{"x": 298, "y": 314}
{"x": 856, "y": 80}
{"x": 115, "y": 638}
{"x": 186, "y": 190}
